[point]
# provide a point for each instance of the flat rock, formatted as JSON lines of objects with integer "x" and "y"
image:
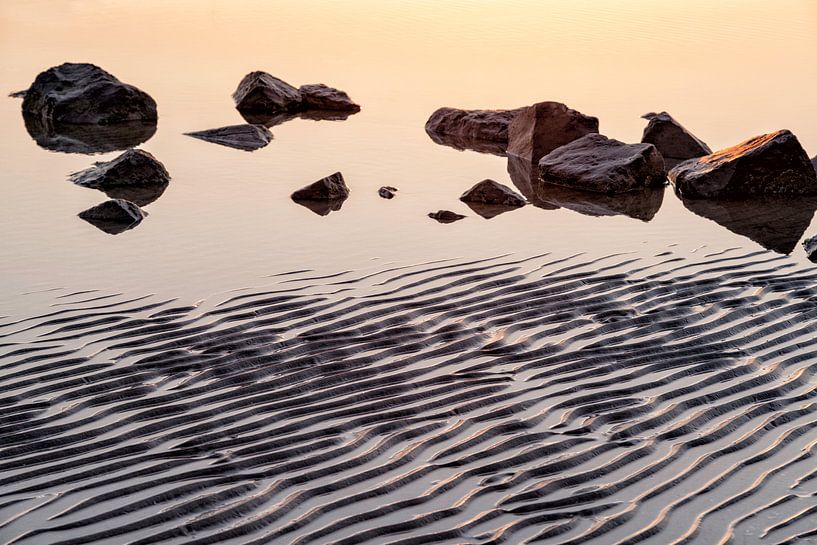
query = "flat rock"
{"x": 264, "y": 93}
{"x": 671, "y": 139}
{"x": 88, "y": 139}
{"x": 771, "y": 164}
{"x": 387, "y": 191}
{"x": 470, "y": 129}
{"x": 330, "y": 188}
{"x": 85, "y": 94}
{"x": 597, "y": 163}
{"x": 810, "y": 245}
{"x": 135, "y": 167}
{"x": 114, "y": 216}
{"x": 539, "y": 129}
{"x": 317, "y": 96}
{"x": 493, "y": 193}
{"x": 445, "y": 216}
{"x": 244, "y": 137}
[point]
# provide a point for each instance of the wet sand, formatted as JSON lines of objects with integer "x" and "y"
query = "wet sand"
{"x": 551, "y": 398}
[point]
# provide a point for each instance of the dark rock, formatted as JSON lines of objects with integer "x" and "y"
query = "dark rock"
{"x": 321, "y": 207}
{"x": 318, "y": 96}
{"x": 114, "y": 216}
{"x": 244, "y": 137}
{"x": 771, "y": 164}
{"x": 140, "y": 195}
{"x": 330, "y": 188}
{"x": 776, "y": 223}
{"x": 810, "y": 245}
{"x": 445, "y": 216}
{"x": 489, "y": 211}
{"x": 641, "y": 204}
{"x": 491, "y": 192}
{"x": 597, "y": 163}
{"x": 671, "y": 139}
{"x": 18, "y": 94}
{"x": 88, "y": 139}
{"x": 271, "y": 120}
{"x": 814, "y": 163}
{"x": 525, "y": 176}
{"x": 86, "y": 94}
{"x": 263, "y": 93}
{"x": 387, "y": 191}
{"x": 134, "y": 168}
{"x": 471, "y": 129}
{"x": 539, "y": 129}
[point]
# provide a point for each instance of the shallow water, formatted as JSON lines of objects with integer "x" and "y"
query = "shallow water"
{"x": 237, "y": 333}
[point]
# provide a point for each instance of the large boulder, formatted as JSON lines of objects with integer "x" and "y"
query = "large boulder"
{"x": 771, "y": 164}
{"x": 491, "y": 192}
{"x": 244, "y": 137}
{"x": 332, "y": 187}
{"x": 672, "y": 140}
{"x": 264, "y": 93}
{"x": 539, "y": 129}
{"x": 134, "y": 168}
{"x": 114, "y": 216}
{"x": 317, "y": 96}
{"x": 85, "y": 94}
{"x": 597, "y": 163}
{"x": 479, "y": 130}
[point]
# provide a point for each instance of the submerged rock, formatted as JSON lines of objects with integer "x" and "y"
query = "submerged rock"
{"x": 82, "y": 93}
{"x": 244, "y": 137}
{"x": 318, "y": 96}
{"x": 88, "y": 139}
{"x": 330, "y": 188}
{"x": 810, "y": 245}
{"x": 264, "y": 93}
{"x": 597, "y": 163}
{"x": 321, "y": 207}
{"x": 494, "y": 193}
{"x": 471, "y": 129}
{"x": 387, "y": 191}
{"x": 445, "y": 216}
{"x": 114, "y": 216}
{"x": 771, "y": 164}
{"x": 671, "y": 139}
{"x": 134, "y": 168}
{"x": 539, "y": 129}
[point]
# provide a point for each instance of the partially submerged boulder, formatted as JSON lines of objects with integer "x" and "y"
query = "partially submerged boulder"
{"x": 134, "y": 168}
{"x": 493, "y": 193}
{"x": 771, "y": 164}
{"x": 810, "y": 245}
{"x": 85, "y": 94}
{"x": 330, "y": 188}
{"x": 471, "y": 129}
{"x": 597, "y": 163}
{"x": 445, "y": 216}
{"x": 317, "y": 96}
{"x": 245, "y": 137}
{"x": 387, "y": 191}
{"x": 672, "y": 140}
{"x": 539, "y": 129}
{"x": 114, "y": 216}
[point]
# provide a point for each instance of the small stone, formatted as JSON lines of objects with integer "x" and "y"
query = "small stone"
{"x": 445, "y": 216}
{"x": 539, "y": 129}
{"x": 491, "y": 192}
{"x": 671, "y": 139}
{"x": 387, "y": 191}
{"x": 318, "y": 96}
{"x": 330, "y": 188}
{"x": 244, "y": 137}
{"x": 114, "y": 216}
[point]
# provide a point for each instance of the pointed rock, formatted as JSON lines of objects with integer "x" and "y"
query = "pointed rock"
{"x": 114, "y": 216}
{"x": 491, "y": 192}
{"x": 445, "y": 216}
{"x": 597, "y": 163}
{"x": 318, "y": 96}
{"x": 260, "y": 92}
{"x": 135, "y": 167}
{"x": 539, "y": 129}
{"x": 330, "y": 188}
{"x": 244, "y": 137}
{"x": 771, "y": 164}
{"x": 671, "y": 139}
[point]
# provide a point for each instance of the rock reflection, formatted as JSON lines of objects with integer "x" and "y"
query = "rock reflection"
{"x": 114, "y": 217}
{"x": 463, "y": 144}
{"x": 272, "y": 120}
{"x": 776, "y": 223}
{"x": 139, "y": 195}
{"x": 641, "y": 205}
{"x": 489, "y": 211}
{"x": 321, "y": 207}
{"x": 88, "y": 139}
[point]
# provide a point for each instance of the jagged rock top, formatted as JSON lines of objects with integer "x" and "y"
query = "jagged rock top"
{"x": 245, "y": 137}
{"x": 135, "y": 167}
{"x": 671, "y": 138}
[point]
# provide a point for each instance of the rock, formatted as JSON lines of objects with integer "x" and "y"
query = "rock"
{"x": 322, "y": 207}
{"x": 87, "y": 95}
{"x": 539, "y": 129}
{"x": 470, "y": 129}
{"x": 810, "y": 245}
{"x": 671, "y": 139}
{"x": 814, "y": 163}
{"x": 771, "y": 164}
{"x": 263, "y": 93}
{"x": 387, "y": 191}
{"x": 445, "y": 216}
{"x": 494, "y": 193}
{"x": 134, "y": 168}
{"x": 18, "y": 94}
{"x": 114, "y": 216}
{"x": 318, "y": 96}
{"x": 776, "y": 223}
{"x": 330, "y": 188}
{"x": 244, "y": 137}
{"x": 88, "y": 139}
{"x": 597, "y": 163}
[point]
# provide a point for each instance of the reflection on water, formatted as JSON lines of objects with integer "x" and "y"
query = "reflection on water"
{"x": 489, "y": 211}
{"x": 140, "y": 195}
{"x": 113, "y": 217}
{"x": 321, "y": 207}
{"x": 271, "y": 120}
{"x": 88, "y": 139}
{"x": 463, "y": 144}
{"x": 776, "y": 223}
{"x": 641, "y": 205}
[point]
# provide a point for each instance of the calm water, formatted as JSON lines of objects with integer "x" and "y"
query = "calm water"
{"x": 727, "y": 72}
